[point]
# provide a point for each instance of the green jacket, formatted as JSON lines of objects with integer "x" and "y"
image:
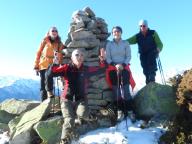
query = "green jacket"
{"x": 159, "y": 44}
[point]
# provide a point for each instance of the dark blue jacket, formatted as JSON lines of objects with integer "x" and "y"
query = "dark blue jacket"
{"x": 146, "y": 43}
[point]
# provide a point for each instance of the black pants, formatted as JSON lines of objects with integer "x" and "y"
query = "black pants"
{"x": 49, "y": 83}
{"x": 43, "y": 91}
{"x": 123, "y": 77}
{"x": 149, "y": 65}
{"x": 122, "y": 96}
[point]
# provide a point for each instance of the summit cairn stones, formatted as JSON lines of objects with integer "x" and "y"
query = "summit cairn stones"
{"x": 89, "y": 33}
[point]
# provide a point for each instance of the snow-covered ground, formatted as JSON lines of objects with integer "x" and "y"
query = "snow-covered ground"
{"x": 4, "y": 138}
{"x": 124, "y": 134}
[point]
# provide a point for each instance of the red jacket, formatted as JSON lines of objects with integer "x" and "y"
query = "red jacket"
{"x": 131, "y": 80}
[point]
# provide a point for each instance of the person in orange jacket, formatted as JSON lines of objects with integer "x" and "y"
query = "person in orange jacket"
{"x": 50, "y": 51}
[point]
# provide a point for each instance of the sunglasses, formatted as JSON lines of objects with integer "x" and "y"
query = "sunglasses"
{"x": 78, "y": 55}
{"x": 142, "y": 26}
{"x": 54, "y": 30}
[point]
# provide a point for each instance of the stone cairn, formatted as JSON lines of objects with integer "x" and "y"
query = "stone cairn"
{"x": 89, "y": 33}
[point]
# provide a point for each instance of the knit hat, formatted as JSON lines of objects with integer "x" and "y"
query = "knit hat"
{"x": 143, "y": 22}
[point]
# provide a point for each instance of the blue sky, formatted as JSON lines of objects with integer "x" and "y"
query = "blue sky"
{"x": 23, "y": 24}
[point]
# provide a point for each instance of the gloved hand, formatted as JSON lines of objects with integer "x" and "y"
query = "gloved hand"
{"x": 37, "y": 73}
{"x": 37, "y": 70}
{"x": 158, "y": 51}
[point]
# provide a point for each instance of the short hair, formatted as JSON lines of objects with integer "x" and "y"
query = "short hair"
{"x": 118, "y": 28}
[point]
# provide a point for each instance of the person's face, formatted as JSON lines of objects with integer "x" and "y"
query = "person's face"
{"x": 77, "y": 58}
{"x": 53, "y": 32}
{"x": 116, "y": 34}
{"x": 143, "y": 28}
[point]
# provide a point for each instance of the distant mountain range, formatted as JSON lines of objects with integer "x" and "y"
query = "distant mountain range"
{"x": 19, "y": 88}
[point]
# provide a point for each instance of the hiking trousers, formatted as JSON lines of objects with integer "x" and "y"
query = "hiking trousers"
{"x": 70, "y": 111}
{"x": 124, "y": 77}
{"x": 43, "y": 92}
{"x": 149, "y": 65}
{"x": 123, "y": 102}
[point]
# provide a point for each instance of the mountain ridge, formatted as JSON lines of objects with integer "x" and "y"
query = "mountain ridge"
{"x": 19, "y": 88}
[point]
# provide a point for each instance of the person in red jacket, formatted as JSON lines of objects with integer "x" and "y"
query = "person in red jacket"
{"x": 73, "y": 100}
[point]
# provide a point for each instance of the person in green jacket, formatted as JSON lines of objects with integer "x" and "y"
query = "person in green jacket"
{"x": 149, "y": 45}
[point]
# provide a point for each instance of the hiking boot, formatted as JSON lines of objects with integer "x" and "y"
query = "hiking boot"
{"x": 43, "y": 94}
{"x": 120, "y": 115}
{"x": 143, "y": 124}
{"x": 74, "y": 135}
{"x": 50, "y": 94}
{"x": 132, "y": 116}
{"x": 78, "y": 121}
{"x": 66, "y": 140}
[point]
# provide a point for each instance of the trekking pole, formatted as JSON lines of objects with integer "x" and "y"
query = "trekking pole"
{"x": 161, "y": 70}
{"x": 58, "y": 91}
{"x": 117, "y": 94}
{"x": 119, "y": 74}
{"x": 53, "y": 104}
{"x": 55, "y": 61}
{"x": 123, "y": 98}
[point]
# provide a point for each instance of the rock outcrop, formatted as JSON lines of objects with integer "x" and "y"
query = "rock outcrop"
{"x": 22, "y": 131}
{"x": 18, "y": 107}
{"x": 39, "y": 124}
{"x": 156, "y": 99}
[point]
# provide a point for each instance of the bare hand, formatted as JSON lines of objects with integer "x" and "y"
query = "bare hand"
{"x": 101, "y": 58}
{"x": 119, "y": 67}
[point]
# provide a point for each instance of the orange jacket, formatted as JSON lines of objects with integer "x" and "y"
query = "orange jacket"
{"x": 45, "y": 53}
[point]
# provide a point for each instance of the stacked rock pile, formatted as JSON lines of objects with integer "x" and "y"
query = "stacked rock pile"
{"x": 89, "y": 33}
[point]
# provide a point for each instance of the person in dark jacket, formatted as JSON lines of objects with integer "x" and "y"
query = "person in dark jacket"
{"x": 150, "y": 46}
{"x": 73, "y": 100}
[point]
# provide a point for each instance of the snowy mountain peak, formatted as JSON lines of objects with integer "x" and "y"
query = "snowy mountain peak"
{"x": 19, "y": 88}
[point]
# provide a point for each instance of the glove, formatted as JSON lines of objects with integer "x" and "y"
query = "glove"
{"x": 36, "y": 68}
{"x": 158, "y": 51}
{"x": 37, "y": 73}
